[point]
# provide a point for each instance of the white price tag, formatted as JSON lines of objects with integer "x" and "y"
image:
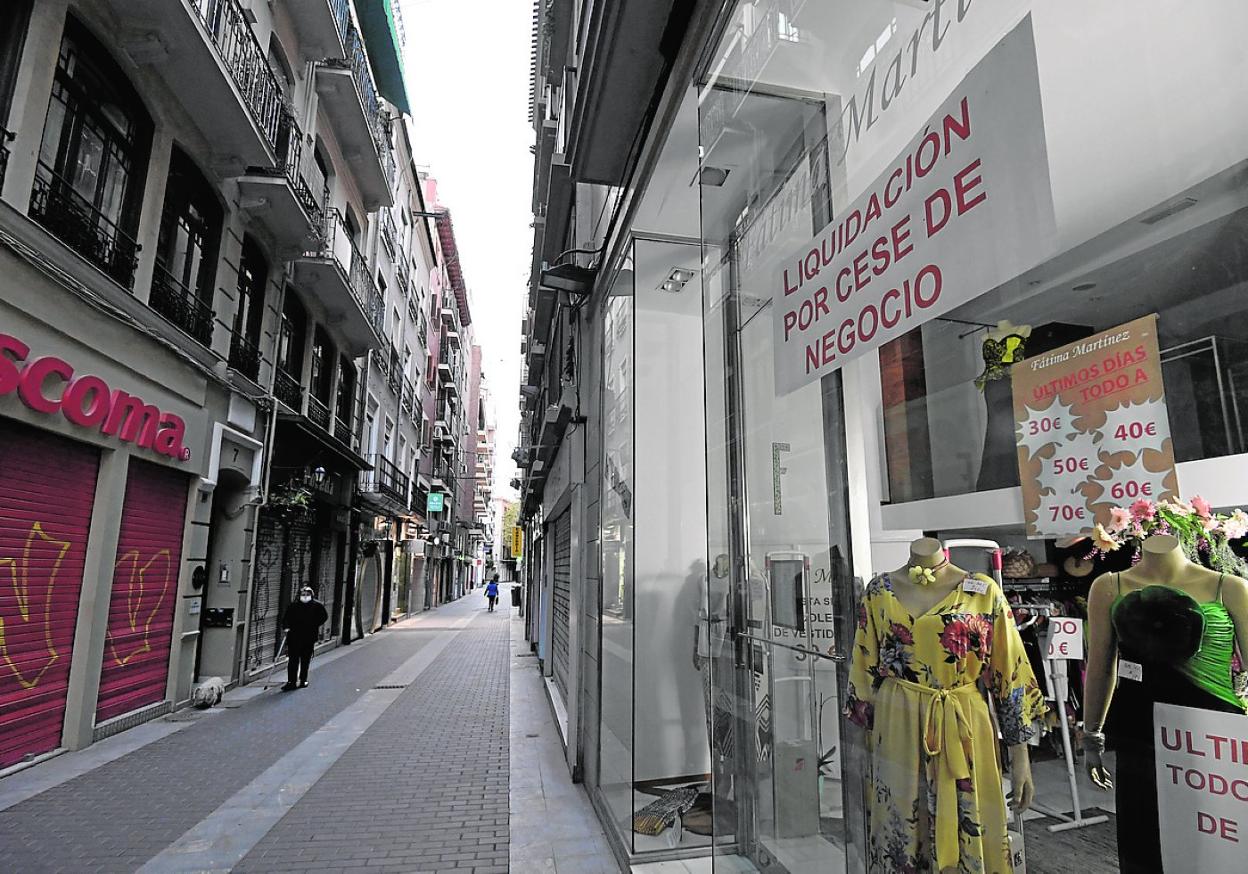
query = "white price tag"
{"x": 1130, "y": 671}
{"x": 978, "y": 586}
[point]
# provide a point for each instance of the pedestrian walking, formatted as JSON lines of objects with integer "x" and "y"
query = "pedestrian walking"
{"x": 302, "y": 621}
{"x": 491, "y": 591}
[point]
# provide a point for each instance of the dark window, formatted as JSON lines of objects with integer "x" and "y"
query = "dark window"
{"x": 290, "y": 341}
{"x": 322, "y": 364}
{"x": 346, "y": 389}
{"x": 353, "y": 226}
{"x": 190, "y": 228}
{"x": 253, "y": 276}
{"x": 89, "y": 181}
{"x": 14, "y": 20}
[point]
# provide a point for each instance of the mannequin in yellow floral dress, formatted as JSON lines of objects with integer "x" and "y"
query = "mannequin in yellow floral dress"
{"x": 931, "y": 640}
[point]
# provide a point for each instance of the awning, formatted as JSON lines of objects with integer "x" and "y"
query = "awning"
{"x": 385, "y": 50}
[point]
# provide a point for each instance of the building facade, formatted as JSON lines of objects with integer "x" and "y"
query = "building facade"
{"x": 220, "y": 284}
{"x": 805, "y": 277}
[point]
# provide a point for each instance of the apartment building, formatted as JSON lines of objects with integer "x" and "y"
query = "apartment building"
{"x": 192, "y": 203}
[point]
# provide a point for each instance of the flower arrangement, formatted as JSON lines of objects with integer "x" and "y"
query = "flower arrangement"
{"x": 1204, "y": 535}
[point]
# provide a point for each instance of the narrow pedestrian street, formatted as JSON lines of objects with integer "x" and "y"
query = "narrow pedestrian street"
{"x": 396, "y": 758}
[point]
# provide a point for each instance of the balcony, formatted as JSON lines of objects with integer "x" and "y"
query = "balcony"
{"x": 344, "y": 433}
{"x": 245, "y": 356}
{"x": 385, "y": 486}
{"x": 79, "y": 225}
{"x": 318, "y": 413}
{"x": 390, "y": 239}
{"x": 321, "y": 26}
{"x": 450, "y": 318}
{"x": 452, "y": 338}
{"x": 290, "y": 198}
{"x": 338, "y": 276}
{"x": 287, "y": 390}
{"x": 350, "y": 99}
{"x": 181, "y": 306}
{"x": 208, "y": 55}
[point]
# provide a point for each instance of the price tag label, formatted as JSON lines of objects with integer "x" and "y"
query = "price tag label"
{"x": 1130, "y": 671}
{"x": 1065, "y": 638}
{"x": 976, "y": 585}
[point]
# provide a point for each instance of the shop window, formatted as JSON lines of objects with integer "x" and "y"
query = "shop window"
{"x": 253, "y": 277}
{"x": 186, "y": 251}
{"x": 89, "y": 180}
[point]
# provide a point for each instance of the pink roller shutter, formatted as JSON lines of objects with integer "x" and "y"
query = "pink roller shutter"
{"x": 145, "y": 590}
{"x": 47, "y": 486}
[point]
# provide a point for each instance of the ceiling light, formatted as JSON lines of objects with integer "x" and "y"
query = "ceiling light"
{"x": 676, "y": 280}
{"x": 712, "y": 176}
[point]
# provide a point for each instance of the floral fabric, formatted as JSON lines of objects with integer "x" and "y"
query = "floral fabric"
{"x": 917, "y": 684}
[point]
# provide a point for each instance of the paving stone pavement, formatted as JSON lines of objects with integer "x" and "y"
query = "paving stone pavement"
{"x": 424, "y": 788}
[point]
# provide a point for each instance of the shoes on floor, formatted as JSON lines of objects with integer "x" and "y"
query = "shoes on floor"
{"x": 289, "y": 687}
{"x": 303, "y": 685}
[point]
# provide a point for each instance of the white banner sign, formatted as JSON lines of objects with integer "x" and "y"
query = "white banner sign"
{"x": 965, "y": 207}
{"x": 1202, "y": 789}
{"x": 1065, "y": 637}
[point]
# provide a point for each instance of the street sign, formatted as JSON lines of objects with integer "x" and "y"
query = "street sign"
{"x": 435, "y": 502}
{"x": 517, "y": 541}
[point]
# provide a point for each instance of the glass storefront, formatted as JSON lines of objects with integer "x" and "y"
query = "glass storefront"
{"x": 970, "y": 278}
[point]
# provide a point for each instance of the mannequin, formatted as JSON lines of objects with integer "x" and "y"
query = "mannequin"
{"x": 1132, "y": 665}
{"x": 928, "y": 636}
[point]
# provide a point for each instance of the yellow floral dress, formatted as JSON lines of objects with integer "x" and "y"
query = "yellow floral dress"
{"x": 918, "y": 686}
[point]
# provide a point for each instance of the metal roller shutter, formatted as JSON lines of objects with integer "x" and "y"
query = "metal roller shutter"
{"x": 47, "y": 486}
{"x": 562, "y": 592}
{"x": 266, "y": 596}
{"x": 327, "y": 574}
{"x": 145, "y": 590}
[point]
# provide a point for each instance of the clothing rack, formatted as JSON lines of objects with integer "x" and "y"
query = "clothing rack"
{"x": 1057, "y": 677}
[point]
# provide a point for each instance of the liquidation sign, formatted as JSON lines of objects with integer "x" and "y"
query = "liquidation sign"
{"x": 1092, "y": 429}
{"x": 1202, "y": 788}
{"x": 965, "y": 207}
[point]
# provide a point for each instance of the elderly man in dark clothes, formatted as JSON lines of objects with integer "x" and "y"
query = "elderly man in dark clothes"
{"x": 302, "y": 621}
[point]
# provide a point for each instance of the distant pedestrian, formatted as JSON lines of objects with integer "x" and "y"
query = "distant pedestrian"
{"x": 302, "y": 621}
{"x": 491, "y": 591}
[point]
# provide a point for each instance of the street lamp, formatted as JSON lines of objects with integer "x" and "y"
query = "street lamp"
{"x": 318, "y": 476}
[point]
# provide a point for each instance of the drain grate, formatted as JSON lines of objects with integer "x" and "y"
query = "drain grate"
{"x": 391, "y": 686}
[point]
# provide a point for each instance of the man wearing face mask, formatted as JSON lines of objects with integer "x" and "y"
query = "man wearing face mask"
{"x": 302, "y": 620}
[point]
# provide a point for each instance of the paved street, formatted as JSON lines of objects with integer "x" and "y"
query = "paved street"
{"x": 395, "y": 759}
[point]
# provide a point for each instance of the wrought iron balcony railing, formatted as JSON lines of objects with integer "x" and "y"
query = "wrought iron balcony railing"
{"x": 181, "y": 305}
{"x": 338, "y": 245}
{"x": 385, "y": 479}
{"x": 244, "y": 355}
{"x": 230, "y": 30}
{"x": 390, "y": 238}
{"x": 318, "y": 412}
{"x": 304, "y": 176}
{"x": 342, "y": 17}
{"x": 287, "y": 390}
{"x": 343, "y": 432}
{"x": 378, "y": 121}
{"x": 77, "y": 223}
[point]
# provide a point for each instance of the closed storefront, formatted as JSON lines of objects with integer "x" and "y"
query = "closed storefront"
{"x": 144, "y": 595}
{"x": 266, "y": 595}
{"x": 326, "y": 578}
{"x": 43, "y": 547}
{"x": 561, "y": 577}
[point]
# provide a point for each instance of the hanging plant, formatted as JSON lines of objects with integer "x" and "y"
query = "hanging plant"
{"x": 368, "y": 548}
{"x": 291, "y": 500}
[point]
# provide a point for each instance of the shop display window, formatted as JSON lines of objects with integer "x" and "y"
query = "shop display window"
{"x": 958, "y": 682}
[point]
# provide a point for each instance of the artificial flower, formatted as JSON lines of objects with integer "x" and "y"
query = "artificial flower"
{"x": 1143, "y": 509}
{"x": 1119, "y": 519}
{"x": 1236, "y": 526}
{"x": 1178, "y": 506}
{"x": 1102, "y": 539}
{"x": 1201, "y": 506}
